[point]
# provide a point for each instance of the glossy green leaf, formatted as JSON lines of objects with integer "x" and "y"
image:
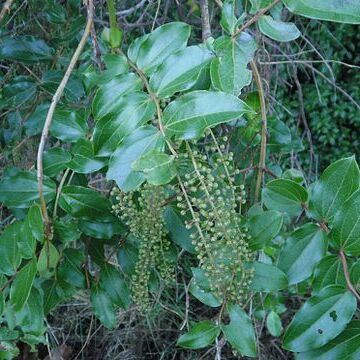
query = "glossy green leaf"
{"x": 206, "y": 297}
{"x": 9, "y": 252}
{"x": 336, "y": 184}
{"x": 27, "y": 49}
{"x": 303, "y": 249}
{"x": 264, "y": 227}
{"x": 116, "y": 64}
{"x": 201, "y": 335}
{"x": 133, "y": 110}
{"x": 21, "y": 189}
{"x": 35, "y": 122}
{"x": 240, "y": 332}
{"x": 132, "y": 148}
{"x": 267, "y": 278}
{"x": 108, "y": 97}
{"x": 66, "y": 231}
{"x": 332, "y": 10}
{"x": 31, "y": 317}
{"x": 21, "y": 286}
{"x": 115, "y": 286}
{"x": 180, "y": 71}
{"x": 346, "y": 226}
{"x": 84, "y": 160}
{"x": 128, "y": 257}
{"x": 52, "y": 294}
{"x": 273, "y": 324}
{"x": 152, "y": 49}
{"x": 284, "y": 195}
{"x": 2, "y": 304}
{"x": 229, "y": 70}
{"x": 228, "y": 19}
{"x": 344, "y": 346}
{"x": 70, "y": 269}
{"x": 321, "y": 319}
{"x": 157, "y": 167}
{"x": 69, "y": 125}
{"x": 190, "y": 115}
{"x": 85, "y": 203}
{"x": 55, "y": 160}
{"x": 178, "y": 232}
{"x": 48, "y": 259}
{"x": 103, "y": 307}
{"x": 278, "y": 30}
{"x": 100, "y": 230}
{"x": 329, "y": 271}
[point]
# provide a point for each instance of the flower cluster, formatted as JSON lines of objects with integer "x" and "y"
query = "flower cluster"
{"x": 209, "y": 193}
{"x": 142, "y": 212}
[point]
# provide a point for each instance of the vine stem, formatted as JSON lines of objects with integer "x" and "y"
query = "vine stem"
{"x": 205, "y": 20}
{"x": 255, "y": 18}
{"x": 262, "y": 159}
{"x": 344, "y": 264}
{"x": 153, "y": 98}
{"x": 49, "y": 117}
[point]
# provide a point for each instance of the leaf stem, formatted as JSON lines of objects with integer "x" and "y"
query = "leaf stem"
{"x": 349, "y": 284}
{"x": 262, "y": 159}
{"x": 49, "y": 117}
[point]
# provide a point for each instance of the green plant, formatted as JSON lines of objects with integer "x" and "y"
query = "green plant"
{"x": 189, "y": 159}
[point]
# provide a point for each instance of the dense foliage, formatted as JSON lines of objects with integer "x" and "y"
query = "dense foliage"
{"x": 167, "y": 177}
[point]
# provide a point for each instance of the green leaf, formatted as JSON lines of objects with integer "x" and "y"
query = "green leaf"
{"x": 70, "y": 270}
{"x": 2, "y": 304}
{"x": 133, "y": 110}
{"x": 178, "y": 232}
{"x": 116, "y": 64}
{"x": 149, "y": 51}
{"x": 35, "y": 122}
{"x": 344, "y": 346}
{"x": 191, "y": 114}
{"x": 27, "y": 49}
{"x": 336, "y": 184}
{"x": 229, "y": 70}
{"x": 264, "y": 227}
{"x": 115, "y": 37}
{"x": 55, "y": 160}
{"x": 329, "y": 271}
{"x": 132, "y": 148}
{"x": 85, "y": 203}
{"x": 332, "y": 10}
{"x": 31, "y": 317}
{"x": 9, "y": 252}
{"x": 201, "y": 335}
{"x": 66, "y": 231}
{"x": 273, "y": 324}
{"x": 48, "y": 259}
{"x": 346, "y": 226}
{"x": 115, "y": 286}
{"x": 303, "y": 249}
{"x": 103, "y": 307}
{"x": 52, "y": 294}
{"x": 21, "y": 190}
{"x": 228, "y": 19}
{"x": 284, "y": 195}
{"x": 204, "y": 296}
{"x": 267, "y": 278}
{"x": 69, "y": 125}
{"x": 128, "y": 257}
{"x": 157, "y": 167}
{"x": 278, "y": 30}
{"x": 321, "y": 319}
{"x": 32, "y": 231}
{"x": 84, "y": 161}
{"x": 240, "y": 332}
{"x": 21, "y": 286}
{"x": 108, "y": 98}
{"x": 180, "y": 71}
{"x": 100, "y": 230}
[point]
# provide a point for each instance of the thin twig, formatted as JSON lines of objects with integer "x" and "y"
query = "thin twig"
{"x": 56, "y": 98}
{"x": 6, "y": 8}
{"x": 255, "y": 18}
{"x": 205, "y": 20}
{"x": 262, "y": 159}
{"x": 349, "y": 284}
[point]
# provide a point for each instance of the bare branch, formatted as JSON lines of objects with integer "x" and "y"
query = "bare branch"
{"x": 205, "y": 20}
